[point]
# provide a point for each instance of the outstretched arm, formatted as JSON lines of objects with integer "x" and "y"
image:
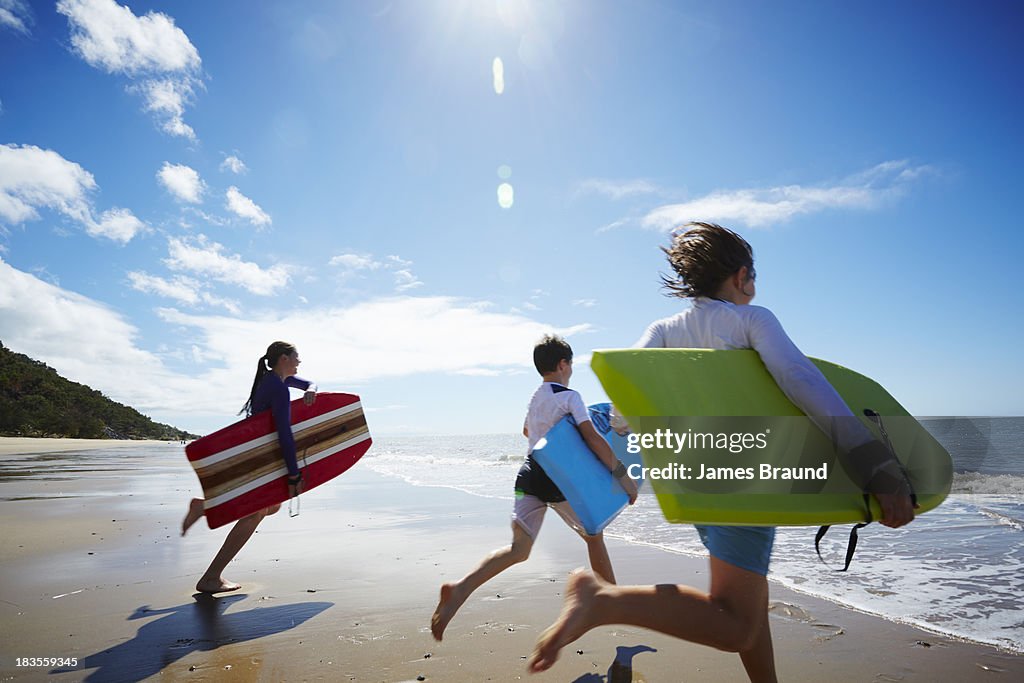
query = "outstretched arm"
{"x": 306, "y": 386}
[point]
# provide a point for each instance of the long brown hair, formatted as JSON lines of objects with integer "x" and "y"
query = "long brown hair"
{"x": 703, "y": 258}
{"x": 264, "y": 365}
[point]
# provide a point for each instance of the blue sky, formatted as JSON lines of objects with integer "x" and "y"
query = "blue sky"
{"x": 183, "y": 183}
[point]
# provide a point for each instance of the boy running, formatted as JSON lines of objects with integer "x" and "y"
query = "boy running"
{"x": 535, "y": 492}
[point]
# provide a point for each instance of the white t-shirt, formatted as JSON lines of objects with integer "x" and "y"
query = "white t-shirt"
{"x": 549, "y": 404}
{"x": 715, "y": 324}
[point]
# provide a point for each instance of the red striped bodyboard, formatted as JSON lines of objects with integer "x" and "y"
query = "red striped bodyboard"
{"x": 241, "y": 468}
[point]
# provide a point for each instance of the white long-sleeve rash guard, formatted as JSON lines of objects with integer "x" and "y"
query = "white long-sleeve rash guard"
{"x": 715, "y": 324}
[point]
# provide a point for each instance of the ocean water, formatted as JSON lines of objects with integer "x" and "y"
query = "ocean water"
{"x": 957, "y": 570}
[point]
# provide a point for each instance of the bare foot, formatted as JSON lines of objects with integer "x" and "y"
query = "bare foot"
{"x": 216, "y": 586}
{"x": 447, "y": 606}
{"x": 577, "y": 618}
{"x": 195, "y": 513}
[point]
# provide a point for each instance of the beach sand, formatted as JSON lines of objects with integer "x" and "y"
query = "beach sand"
{"x": 93, "y": 567}
{"x": 15, "y": 445}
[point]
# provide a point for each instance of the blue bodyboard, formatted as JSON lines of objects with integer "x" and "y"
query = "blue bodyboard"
{"x": 586, "y": 483}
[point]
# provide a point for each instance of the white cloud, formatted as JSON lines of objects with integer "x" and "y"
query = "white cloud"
{"x": 89, "y": 342}
{"x": 370, "y": 340}
{"x": 535, "y": 295}
{"x": 220, "y": 302}
{"x": 585, "y": 303}
{"x": 150, "y": 48}
{"x": 15, "y": 15}
{"x": 384, "y": 409}
{"x": 613, "y": 225}
{"x": 181, "y": 181}
{"x": 405, "y": 280}
{"x": 233, "y": 164}
{"x": 83, "y": 339}
{"x": 355, "y": 262}
{"x": 32, "y": 178}
{"x": 208, "y": 218}
{"x": 761, "y": 207}
{"x": 616, "y": 189}
{"x": 486, "y": 372}
{"x": 243, "y": 207}
{"x": 119, "y": 225}
{"x": 110, "y": 37}
{"x": 167, "y": 98}
{"x": 182, "y": 289}
{"x": 202, "y": 257}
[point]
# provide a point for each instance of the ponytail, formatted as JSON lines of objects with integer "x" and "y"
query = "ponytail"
{"x": 264, "y": 365}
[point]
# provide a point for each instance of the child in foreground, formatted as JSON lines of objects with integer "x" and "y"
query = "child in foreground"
{"x": 535, "y": 492}
{"x": 715, "y": 269}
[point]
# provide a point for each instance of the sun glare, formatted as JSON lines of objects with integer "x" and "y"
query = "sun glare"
{"x": 505, "y": 196}
{"x": 498, "y": 68}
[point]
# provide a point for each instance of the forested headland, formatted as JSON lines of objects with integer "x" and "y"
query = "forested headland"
{"x": 36, "y": 401}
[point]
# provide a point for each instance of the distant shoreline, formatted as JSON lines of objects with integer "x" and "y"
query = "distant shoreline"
{"x": 27, "y": 445}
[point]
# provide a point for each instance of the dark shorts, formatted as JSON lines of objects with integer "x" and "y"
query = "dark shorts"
{"x": 747, "y": 547}
{"x": 532, "y": 480}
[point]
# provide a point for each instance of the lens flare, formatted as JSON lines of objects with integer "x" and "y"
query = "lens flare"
{"x": 498, "y": 69}
{"x": 505, "y": 196}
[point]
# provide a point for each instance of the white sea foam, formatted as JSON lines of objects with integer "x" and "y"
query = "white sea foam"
{"x": 1009, "y": 485}
{"x": 1000, "y": 518}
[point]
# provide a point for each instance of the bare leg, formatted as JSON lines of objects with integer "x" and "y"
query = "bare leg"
{"x": 759, "y": 660}
{"x": 599, "y": 560}
{"x": 195, "y": 513}
{"x": 732, "y": 617}
{"x": 453, "y": 595}
{"x": 212, "y": 581}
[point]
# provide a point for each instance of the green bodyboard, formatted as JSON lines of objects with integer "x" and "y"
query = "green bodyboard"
{"x": 705, "y": 392}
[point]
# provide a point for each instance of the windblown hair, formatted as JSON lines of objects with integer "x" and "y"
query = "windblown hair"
{"x": 703, "y": 258}
{"x": 549, "y": 351}
{"x": 264, "y": 365}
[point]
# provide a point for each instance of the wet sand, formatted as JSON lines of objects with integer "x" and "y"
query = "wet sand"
{"x": 93, "y": 567}
{"x": 16, "y": 445}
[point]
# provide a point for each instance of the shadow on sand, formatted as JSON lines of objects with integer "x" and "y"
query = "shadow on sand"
{"x": 621, "y": 669}
{"x": 196, "y": 626}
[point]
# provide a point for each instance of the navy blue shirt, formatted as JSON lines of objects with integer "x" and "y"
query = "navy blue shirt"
{"x": 272, "y": 394}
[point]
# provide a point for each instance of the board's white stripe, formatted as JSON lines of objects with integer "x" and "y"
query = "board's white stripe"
{"x": 272, "y": 436}
{"x": 281, "y": 471}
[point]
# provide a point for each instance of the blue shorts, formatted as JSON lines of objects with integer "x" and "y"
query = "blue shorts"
{"x": 747, "y": 547}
